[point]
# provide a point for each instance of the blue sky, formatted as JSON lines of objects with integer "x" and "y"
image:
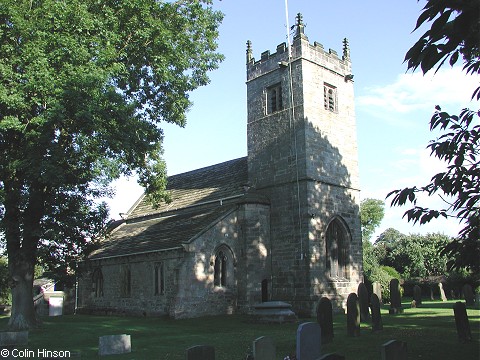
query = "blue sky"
{"x": 393, "y": 107}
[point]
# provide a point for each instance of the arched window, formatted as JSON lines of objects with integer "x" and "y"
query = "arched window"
{"x": 223, "y": 267}
{"x": 337, "y": 249}
{"x": 97, "y": 279}
{"x": 159, "y": 279}
{"x": 220, "y": 269}
{"x": 126, "y": 281}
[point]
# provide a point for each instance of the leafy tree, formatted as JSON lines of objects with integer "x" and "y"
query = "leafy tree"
{"x": 4, "y": 281}
{"x": 371, "y": 215}
{"x": 454, "y": 33}
{"x": 412, "y": 255}
{"x": 84, "y": 85}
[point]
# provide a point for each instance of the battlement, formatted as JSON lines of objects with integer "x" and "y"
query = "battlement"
{"x": 300, "y": 49}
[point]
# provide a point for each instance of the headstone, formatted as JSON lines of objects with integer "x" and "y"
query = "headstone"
{"x": 114, "y": 344}
{"x": 452, "y": 294}
{"x": 417, "y": 295}
{"x": 395, "y": 297}
{"x": 353, "y": 315}
{"x": 55, "y": 305}
{"x": 264, "y": 348}
{"x": 461, "y": 322}
{"x": 442, "y": 293}
{"x": 394, "y": 350}
{"x": 13, "y": 338}
{"x": 363, "y": 301}
{"x": 325, "y": 319}
{"x": 468, "y": 295}
{"x": 201, "y": 352}
{"x": 377, "y": 289}
{"x": 377, "y": 324}
{"x": 308, "y": 341}
{"x": 332, "y": 356}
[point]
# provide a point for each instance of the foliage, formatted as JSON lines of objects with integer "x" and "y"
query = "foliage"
{"x": 455, "y": 31}
{"x": 371, "y": 215}
{"x": 84, "y": 86}
{"x": 374, "y": 272}
{"x": 412, "y": 255}
{"x": 5, "y": 297}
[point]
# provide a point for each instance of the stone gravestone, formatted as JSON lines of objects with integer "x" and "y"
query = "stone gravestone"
{"x": 377, "y": 289}
{"x": 395, "y": 297}
{"x": 114, "y": 344}
{"x": 377, "y": 324}
{"x": 353, "y": 315}
{"x": 13, "y": 338}
{"x": 325, "y": 319}
{"x": 363, "y": 301}
{"x": 468, "y": 295}
{"x": 417, "y": 295}
{"x": 442, "y": 293}
{"x": 461, "y": 322}
{"x": 55, "y": 304}
{"x": 201, "y": 352}
{"x": 394, "y": 350}
{"x": 308, "y": 341}
{"x": 332, "y": 356}
{"x": 264, "y": 348}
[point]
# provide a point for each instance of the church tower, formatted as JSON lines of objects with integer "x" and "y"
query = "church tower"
{"x": 302, "y": 154}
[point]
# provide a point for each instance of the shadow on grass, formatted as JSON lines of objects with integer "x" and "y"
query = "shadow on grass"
{"x": 429, "y": 331}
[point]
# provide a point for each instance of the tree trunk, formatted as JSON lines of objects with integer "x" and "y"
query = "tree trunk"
{"x": 22, "y": 232}
{"x": 23, "y": 315}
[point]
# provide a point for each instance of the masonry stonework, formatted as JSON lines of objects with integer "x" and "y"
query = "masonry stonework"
{"x": 304, "y": 158}
{"x": 280, "y": 224}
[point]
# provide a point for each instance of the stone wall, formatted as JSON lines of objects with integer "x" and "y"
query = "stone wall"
{"x": 304, "y": 159}
{"x": 190, "y": 291}
{"x": 142, "y": 299}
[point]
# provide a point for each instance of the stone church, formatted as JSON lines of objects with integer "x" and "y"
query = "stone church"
{"x": 280, "y": 224}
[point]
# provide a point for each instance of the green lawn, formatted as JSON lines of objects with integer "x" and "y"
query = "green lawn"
{"x": 429, "y": 332}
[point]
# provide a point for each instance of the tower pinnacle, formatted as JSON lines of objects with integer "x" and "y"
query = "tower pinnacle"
{"x": 249, "y": 52}
{"x": 300, "y": 27}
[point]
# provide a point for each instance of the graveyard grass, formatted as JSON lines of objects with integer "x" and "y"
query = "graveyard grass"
{"x": 429, "y": 331}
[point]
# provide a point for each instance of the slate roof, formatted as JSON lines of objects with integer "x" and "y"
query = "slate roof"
{"x": 214, "y": 182}
{"x": 200, "y": 198}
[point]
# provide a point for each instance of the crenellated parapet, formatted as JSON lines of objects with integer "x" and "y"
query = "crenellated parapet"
{"x": 300, "y": 49}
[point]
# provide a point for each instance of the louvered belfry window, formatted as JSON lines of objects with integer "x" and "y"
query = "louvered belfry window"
{"x": 330, "y": 98}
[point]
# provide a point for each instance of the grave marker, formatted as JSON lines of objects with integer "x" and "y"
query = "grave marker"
{"x": 395, "y": 297}
{"x": 201, "y": 352}
{"x": 325, "y": 319}
{"x": 377, "y": 289}
{"x": 468, "y": 295}
{"x": 13, "y": 338}
{"x": 264, "y": 348}
{"x": 308, "y": 341}
{"x": 442, "y": 293}
{"x": 363, "y": 301}
{"x": 114, "y": 344}
{"x": 353, "y": 315}
{"x": 394, "y": 350}
{"x": 377, "y": 324}
{"x": 417, "y": 295}
{"x": 461, "y": 322}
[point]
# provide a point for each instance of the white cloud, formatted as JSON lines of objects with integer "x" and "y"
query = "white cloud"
{"x": 449, "y": 87}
